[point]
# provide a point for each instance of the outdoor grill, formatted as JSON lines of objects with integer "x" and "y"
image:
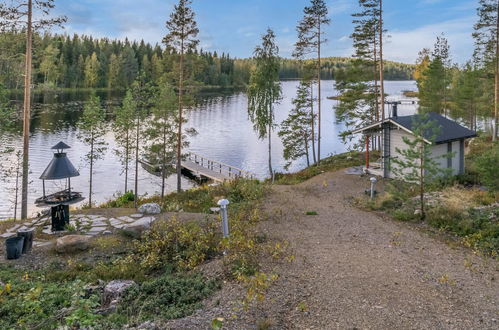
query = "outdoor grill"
{"x": 59, "y": 168}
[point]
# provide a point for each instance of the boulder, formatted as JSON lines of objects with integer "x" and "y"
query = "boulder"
{"x": 136, "y": 228}
{"x": 72, "y": 243}
{"x": 114, "y": 290}
{"x": 150, "y": 208}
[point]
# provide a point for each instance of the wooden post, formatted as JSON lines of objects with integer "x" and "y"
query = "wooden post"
{"x": 367, "y": 151}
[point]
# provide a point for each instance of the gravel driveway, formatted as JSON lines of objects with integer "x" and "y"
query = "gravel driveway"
{"x": 357, "y": 270}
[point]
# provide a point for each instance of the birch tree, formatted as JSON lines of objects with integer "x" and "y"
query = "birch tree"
{"x": 264, "y": 89}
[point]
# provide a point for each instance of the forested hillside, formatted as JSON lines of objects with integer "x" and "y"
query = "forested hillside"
{"x": 333, "y": 67}
{"x": 82, "y": 61}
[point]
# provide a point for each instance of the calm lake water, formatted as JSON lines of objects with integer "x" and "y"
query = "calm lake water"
{"x": 224, "y": 134}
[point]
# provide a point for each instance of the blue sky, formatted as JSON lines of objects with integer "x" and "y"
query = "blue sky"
{"x": 234, "y": 26}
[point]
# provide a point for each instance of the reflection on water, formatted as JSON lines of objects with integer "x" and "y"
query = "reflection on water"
{"x": 224, "y": 134}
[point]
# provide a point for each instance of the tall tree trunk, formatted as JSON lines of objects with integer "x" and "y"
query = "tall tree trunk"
{"x": 312, "y": 120}
{"x": 381, "y": 64}
{"x": 376, "y": 91}
{"x": 270, "y": 146}
{"x": 136, "y": 198}
{"x": 496, "y": 79}
{"x": 305, "y": 138}
{"x": 319, "y": 94}
{"x": 127, "y": 158}
{"x": 421, "y": 184}
{"x": 27, "y": 112}
{"x": 163, "y": 165}
{"x": 179, "y": 132}
{"x": 18, "y": 169}
{"x": 91, "y": 171}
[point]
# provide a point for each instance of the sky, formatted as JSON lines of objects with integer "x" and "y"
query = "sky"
{"x": 235, "y": 26}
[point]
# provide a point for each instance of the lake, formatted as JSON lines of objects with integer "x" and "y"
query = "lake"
{"x": 224, "y": 134}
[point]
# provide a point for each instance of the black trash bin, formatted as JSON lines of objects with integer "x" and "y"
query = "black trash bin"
{"x": 14, "y": 247}
{"x": 28, "y": 239}
{"x": 60, "y": 217}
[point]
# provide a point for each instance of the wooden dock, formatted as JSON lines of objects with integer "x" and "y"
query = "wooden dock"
{"x": 214, "y": 170}
{"x": 204, "y": 169}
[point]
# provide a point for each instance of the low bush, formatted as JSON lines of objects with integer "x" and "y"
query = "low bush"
{"x": 166, "y": 297}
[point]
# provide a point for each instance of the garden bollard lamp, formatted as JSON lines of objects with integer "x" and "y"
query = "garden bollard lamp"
{"x": 223, "y": 213}
{"x": 373, "y": 182}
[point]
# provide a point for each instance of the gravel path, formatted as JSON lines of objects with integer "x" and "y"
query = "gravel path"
{"x": 357, "y": 270}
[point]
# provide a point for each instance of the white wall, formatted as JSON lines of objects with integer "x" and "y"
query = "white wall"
{"x": 396, "y": 141}
{"x": 437, "y": 151}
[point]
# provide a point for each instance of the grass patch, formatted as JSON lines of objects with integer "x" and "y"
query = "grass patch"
{"x": 332, "y": 163}
{"x": 311, "y": 213}
{"x": 201, "y": 199}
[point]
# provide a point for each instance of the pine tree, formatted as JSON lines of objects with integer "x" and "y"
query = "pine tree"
{"x": 161, "y": 132}
{"x": 181, "y": 37}
{"x": 360, "y": 96}
{"x": 414, "y": 163}
{"x": 124, "y": 128}
{"x": 296, "y": 132}
{"x": 19, "y": 15}
{"x": 434, "y": 81}
{"x": 466, "y": 94}
{"x": 310, "y": 39}
{"x": 264, "y": 89}
{"x": 487, "y": 48}
{"x": 91, "y": 131}
{"x": 142, "y": 95}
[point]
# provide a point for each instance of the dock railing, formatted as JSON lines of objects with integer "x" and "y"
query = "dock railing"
{"x": 225, "y": 169}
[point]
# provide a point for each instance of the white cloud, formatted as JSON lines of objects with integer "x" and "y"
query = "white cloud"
{"x": 404, "y": 46}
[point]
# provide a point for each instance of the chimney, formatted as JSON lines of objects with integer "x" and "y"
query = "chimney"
{"x": 394, "y": 109}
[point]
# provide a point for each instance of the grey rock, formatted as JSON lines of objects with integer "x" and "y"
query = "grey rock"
{"x": 137, "y": 215}
{"x": 150, "y": 208}
{"x": 72, "y": 243}
{"x": 114, "y": 290}
{"x": 136, "y": 228}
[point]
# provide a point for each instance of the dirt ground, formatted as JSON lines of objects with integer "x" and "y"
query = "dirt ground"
{"x": 358, "y": 270}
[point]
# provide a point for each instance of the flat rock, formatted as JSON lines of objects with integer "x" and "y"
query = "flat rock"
{"x": 72, "y": 243}
{"x": 7, "y": 235}
{"x": 136, "y": 215}
{"x": 98, "y": 223}
{"x": 14, "y": 228}
{"x": 42, "y": 243}
{"x": 139, "y": 226}
{"x": 150, "y": 208}
{"x": 97, "y": 229}
{"x": 126, "y": 219}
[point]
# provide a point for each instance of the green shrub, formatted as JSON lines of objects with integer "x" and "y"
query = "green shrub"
{"x": 171, "y": 242}
{"x": 487, "y": 167}
{"x": 167, "y": 297}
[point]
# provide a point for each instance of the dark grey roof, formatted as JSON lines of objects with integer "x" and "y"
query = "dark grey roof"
{"x": 449, "y": 129}
{"x": 60, "y": 167}
{"x": 61, "y": 145}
